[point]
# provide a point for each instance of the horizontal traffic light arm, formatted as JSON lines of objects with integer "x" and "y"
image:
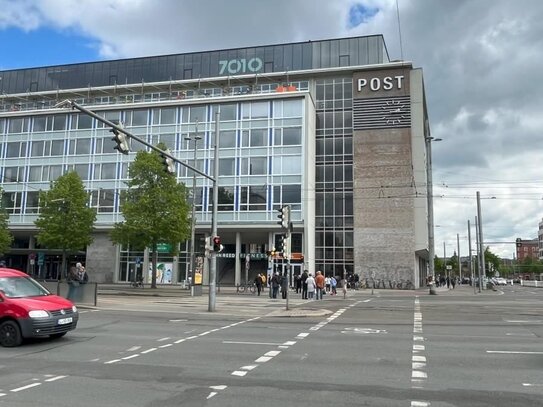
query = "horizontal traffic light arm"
{"x": 120, "y": 129}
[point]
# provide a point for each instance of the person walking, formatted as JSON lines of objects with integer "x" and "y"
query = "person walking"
{"x": 284, "y": 285}
{"x": 298, "y": 283}
{"x": 304, "y": 284}
{"x": 263, "y": 278}
{"x": 327, "y": 283}
{"x": 319, "y": 285}
{"x": 258, "y": 283}
{"x": 275, "y": 283}
{"x": 311, "y": 286}
{"x": 333, "y": 285}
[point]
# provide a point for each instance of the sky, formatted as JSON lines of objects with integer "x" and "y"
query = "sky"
{"x": 481, "y": 62}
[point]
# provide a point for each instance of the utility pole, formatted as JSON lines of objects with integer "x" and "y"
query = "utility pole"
{"x": 458, "y": 253}
{"x": 213, "y": 260}
{"x": 478, "y": 253}
{"x": 481, "y": 241}
{"x": 430, "y": 204}
{"x": 446, "y": 271}
{"x": 470, "y": 259}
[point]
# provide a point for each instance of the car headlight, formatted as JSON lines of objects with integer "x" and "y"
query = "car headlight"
{"x": 74, "y": 308}
{"x": 38, "y": 314}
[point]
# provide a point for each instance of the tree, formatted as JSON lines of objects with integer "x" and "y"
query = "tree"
{"x": 155, "y": 208}
{"x": 5, "y": 235}
{"x": 66, "y": 221}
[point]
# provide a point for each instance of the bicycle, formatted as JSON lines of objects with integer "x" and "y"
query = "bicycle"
{"x": 242, "y": 288}
{"x": 137, "y": 284}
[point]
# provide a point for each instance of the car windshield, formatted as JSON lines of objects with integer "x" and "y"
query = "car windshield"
{"x": 17, "y": 287}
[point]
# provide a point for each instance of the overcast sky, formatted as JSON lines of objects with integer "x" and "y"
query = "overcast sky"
{"x": 481, "y": 62}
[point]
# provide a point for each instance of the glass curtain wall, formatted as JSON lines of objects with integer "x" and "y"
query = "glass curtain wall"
{"x": 334, "y": 251}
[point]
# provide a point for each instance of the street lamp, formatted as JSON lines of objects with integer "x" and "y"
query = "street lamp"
{"x": 430, "y": 203}
{"x": 193, "y": 218}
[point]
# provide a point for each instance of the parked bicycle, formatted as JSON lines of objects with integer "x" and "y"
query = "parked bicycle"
{"x": 245, "y": 288}
{"x": 137, "y": 283}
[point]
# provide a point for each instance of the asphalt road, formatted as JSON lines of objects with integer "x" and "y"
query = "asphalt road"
{"x": 392, "y": 348}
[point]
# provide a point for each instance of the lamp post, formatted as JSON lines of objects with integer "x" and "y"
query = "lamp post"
{"x": 193, "y": 216}
{"x": 430, "y": 204}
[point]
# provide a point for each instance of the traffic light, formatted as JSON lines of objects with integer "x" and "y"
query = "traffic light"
{"x": 283, "y": 243}
{"x": 217, "y": 246}
{"x": 284, "y": 217}
{"x": 519, "y": 242}
{"x": 121, "y": 139}
{"x": 169, "y": 164}
{"x": 208, "y": 247}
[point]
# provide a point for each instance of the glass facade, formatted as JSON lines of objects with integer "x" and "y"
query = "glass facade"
{"x": 334, "y": 250}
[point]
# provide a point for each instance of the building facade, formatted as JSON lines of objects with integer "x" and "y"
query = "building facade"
{"x": 527, "y": 249}
{"x": 332, "y": 128}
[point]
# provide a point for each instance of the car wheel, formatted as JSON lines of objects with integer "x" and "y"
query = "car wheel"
{"x": 60, "y": 335}
{"x": 10, "y": 334}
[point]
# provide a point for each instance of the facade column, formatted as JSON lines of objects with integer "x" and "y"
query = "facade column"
{"x": 237, "y": 275}
{"x": 146, "y": 262}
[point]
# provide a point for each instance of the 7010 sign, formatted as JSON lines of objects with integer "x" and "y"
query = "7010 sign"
{"x": 242, "y": 65}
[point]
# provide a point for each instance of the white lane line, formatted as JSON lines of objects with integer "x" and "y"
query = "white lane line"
{"x": 213, "y": 393}
{"x": 417, "y": 358}
{"x": 418, "y": 338}
{"x": 149, "y": 350}
{"x": 272, "y": 353}
{"x": 249, "y": 367}
{"x": 522, "y": 321}
{"x": 532, "y": 385}
{"x": 289, "y": 343}
{"x": 263, "y": 359}
{"x": 512, "y": 352}
{"x": 163, "y": 339}
{"x": 420, "y": 404}
{"x": 109, "y": 362}
{"x": 239, "y": 373}
{"x": 419, "y": 375}
{"x": 53, "y": 379}
{"x": 166, "y": 346}
{"x": 253, "y": 343}
{"x": 180, "y": 340}
{"x": 367, "y": 300}
{"x": 418, "y": 347}
{"x": 302, "y": 335}
{"x": 191, "y": 337}
{"x": 204, "y": 333}
{"x": 178, "y": 320}
{"x": 418, "y": 365}
{"x": 28, "y": 386}
{"x": 219, "y": 387}
{"x": 131, "y": 357}
{"x": 3, "y": 394}
{"x": 133, "y": 348}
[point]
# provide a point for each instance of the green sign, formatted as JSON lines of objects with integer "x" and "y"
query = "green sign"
{"x": 164, "y": 248}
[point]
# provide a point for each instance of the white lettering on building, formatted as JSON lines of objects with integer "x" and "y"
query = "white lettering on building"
{"x": 375, "y": 84}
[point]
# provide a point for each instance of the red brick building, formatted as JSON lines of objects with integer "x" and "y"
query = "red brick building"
{"x": 528, "y": 248}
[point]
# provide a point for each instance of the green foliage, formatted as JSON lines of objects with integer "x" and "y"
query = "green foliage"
{"x": 65, "y": 222}
{"x": 6, "y": 238}
{"x": 155, "y": 207}
{"x": 530, "y": 265}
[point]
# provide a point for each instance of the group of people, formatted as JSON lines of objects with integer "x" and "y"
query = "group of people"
{"x": 310, "y": 287}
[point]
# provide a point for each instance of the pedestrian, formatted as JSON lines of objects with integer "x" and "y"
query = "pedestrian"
{"x": 311, "y": 286}
{"x": 327, "y": 283}
{"x": 448, "y": 282}
{"x": 298, "y": 283}
{"x": 319, "y": 283}
{"x": 333, "y": 285}
{"x": 453, "y": 282}
{"x": 263, "y": 278}
{"x": 275, "y": 283}
{"x": 258, "y": 283}
{"x": 73, "y": 281}
{"x": 270, "y": 289}
{"x": 304, "y": 284}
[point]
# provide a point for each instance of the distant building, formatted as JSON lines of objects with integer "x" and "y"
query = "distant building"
{"x": 528, "y": 248}
{"x": 540, "y": 240}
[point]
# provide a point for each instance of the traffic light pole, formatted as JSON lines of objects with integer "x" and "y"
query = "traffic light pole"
{"x": 213, "y": 262}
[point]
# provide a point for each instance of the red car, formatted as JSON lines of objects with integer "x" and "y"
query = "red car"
{"x": 29, "y": 310}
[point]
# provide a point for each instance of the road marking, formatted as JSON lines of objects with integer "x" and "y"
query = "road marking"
{"x": 418, "y": 347}
{"x": 520, "y": 334}
{"x": 514, "y": 321}
{"x": 191, "y": 337}
{"x": 53, "y": 379}
{"x": 253, "y": 343}
{"x": 514, "y": 352}
{"x": 419, "y": 404}
{"x": 367, "y": 300}
{"x": 263, "y": 359}
{"x": 166, "y": 346}
{"x": 213, "y": 393}
{"x": 3, "y": 394}
{"x": 417, "y": 358}
{"x": 302, "y": 335}
{"x": 180, "y": 340}
{"x": 532, "y": 385}
{"x": 272, "y": 353}
{"x": 289, "y": 343}
{"x": 163, "y": 339}
{"x": 178, "y": 320}
{"x": 131, "y": 357}
{"x": 28, "y": 386}
{"x": 219, "y": 387}
{"x": 133, "y": 348}
{"x": 249, "y": 367}
{"x": 417, "y": 365}
{"x": 419, "y": 375}
{"x": 239, "y": 373}
{"x": 149, "y": 350}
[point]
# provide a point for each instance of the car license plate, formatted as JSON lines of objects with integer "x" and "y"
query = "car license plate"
{"x": 64, "y": 321}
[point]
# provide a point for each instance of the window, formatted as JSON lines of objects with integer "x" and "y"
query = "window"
{"x": 16, "y": 149}
{"x": 164, "y": 116}
{"x": 254, "y": 138}
{"x": 32, "y": 201}
{"x": 103, "y": 200}
{"x": 288, "y": 108}
{"x": 227, "y": 139}
{"x": 57, "y": 147}
{"x": 81, "y": 146}
{"x": 226, "y": 199}
{"x": 259, "y": 110}
{"x": 12, "y": 202}
{"x": 288, "y": 136}
{"x": 197, "y": 113}
{"x": 292, "y": 194}
{"x": 104, "y": 171}
{"x": 139, "y": 118}
{"x": 55, "y": 171}
{"x": 228, "y": 111}
{"x": 13, "y": 174}
{"x": 105, "y": 145}
{"x": 59, "y": 122}
{"x": 287, "y": 165}
{"x": 254, "y": 166}
{"x": 227, "y": 166}
{"x": 253, "y": 198}
{"x": 34, "y": 173}
{"x": 81, "y": 169}
{"x": 81, "y": 121}
{"x": 18, "y": 125}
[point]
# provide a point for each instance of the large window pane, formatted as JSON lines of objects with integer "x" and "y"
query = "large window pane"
{"x": 292, "y": 136}
{"x": 227, "y": 139}
{"x": 292, "y": 194}
{"x": 227, "y": 166}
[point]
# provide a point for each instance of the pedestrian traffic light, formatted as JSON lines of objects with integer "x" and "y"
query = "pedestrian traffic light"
{"x": 217, "y": 246}
{"x": 121, "y": 139}
{"x": 519, "y": 242}
{"x": 208, "y": 247}
{"x": 284, "y": 217}
{"x": 169, "y": 164}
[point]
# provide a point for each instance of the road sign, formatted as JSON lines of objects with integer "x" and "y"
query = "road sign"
{"x": 41, "y": 258}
